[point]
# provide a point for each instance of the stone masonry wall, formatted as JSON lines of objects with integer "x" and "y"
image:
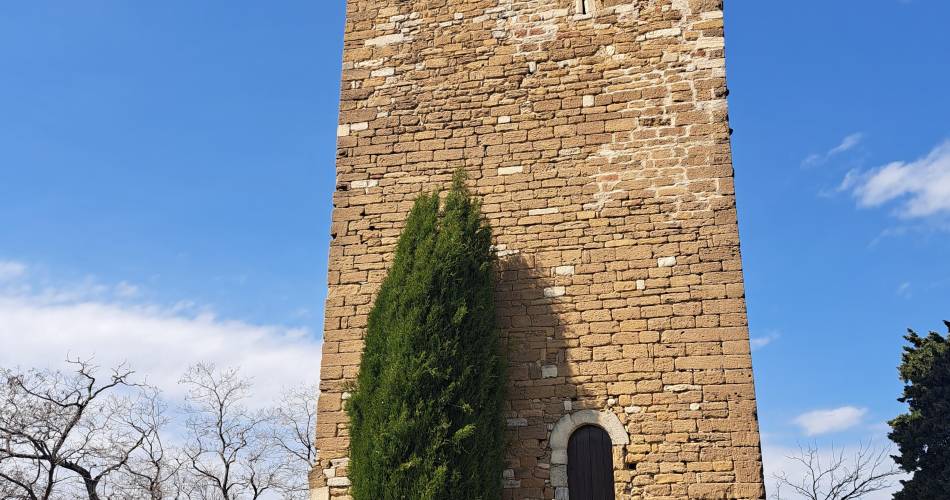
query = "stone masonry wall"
{"x": 599, "y": 144}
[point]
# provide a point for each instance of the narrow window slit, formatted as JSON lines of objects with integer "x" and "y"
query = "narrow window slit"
{"x": 585, "y": 7}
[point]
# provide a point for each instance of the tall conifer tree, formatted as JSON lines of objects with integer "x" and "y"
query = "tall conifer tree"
{"x": 923, "y": 434}
{"x": 425, "y": 414}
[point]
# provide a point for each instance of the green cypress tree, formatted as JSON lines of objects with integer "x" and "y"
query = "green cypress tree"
{"x": 923, "y": 434}
{"x": 426, "y": 410}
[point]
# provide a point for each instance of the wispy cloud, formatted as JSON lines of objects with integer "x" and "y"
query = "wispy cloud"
{"x": 760, "y": 342}
{"x": 819, "y": 422}
{"x": 10, "y": 269}
{"x": 922, "y": 185}
{"x": 924, "y": 229}
{"x": 126, "y": 289}
{"x": 38, "y": 328}
{"x": 847, "y": 144}
{"x": 904, "y": 290}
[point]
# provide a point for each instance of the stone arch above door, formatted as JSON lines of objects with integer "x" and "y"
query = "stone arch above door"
{"x": 561, "y": 435}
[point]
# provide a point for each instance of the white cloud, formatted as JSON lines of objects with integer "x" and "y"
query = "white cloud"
{"x": 847, "y": 144}
{"x": 819, "y": 422}
{"x": 760, "y": 342}
{"x": 904, "y": 290}
{"x": 923, "y": 185}
{"x": 39, "y": 329}
{"x": 11, "y": 269}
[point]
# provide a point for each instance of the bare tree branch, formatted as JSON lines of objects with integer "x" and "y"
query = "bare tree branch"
{"x": 229, "y": 446}
{"x": 295, "y": 418}
{"x": 60, "y": 430}
{"x": 89, "y": 433}
{"x": 843, "y": 477}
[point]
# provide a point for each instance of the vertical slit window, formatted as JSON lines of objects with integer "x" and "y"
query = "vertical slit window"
{"x": 587, "y": 6}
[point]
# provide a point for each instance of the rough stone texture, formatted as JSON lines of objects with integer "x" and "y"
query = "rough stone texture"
{"x": 561, "y": 435}
{"x": 599, "y": 144}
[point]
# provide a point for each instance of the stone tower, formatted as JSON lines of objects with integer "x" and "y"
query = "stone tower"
{"x": 596, "y": 134}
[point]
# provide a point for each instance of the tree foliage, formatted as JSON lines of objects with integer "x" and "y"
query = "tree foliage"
{"x": 923, "y": 433}
{"x": 425, "y": 414}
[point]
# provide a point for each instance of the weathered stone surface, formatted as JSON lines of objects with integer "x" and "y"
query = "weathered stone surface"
{"x": 598, "y": 141}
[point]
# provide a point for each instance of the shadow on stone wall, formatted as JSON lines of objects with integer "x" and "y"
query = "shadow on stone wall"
{"x": 532, "y": 329}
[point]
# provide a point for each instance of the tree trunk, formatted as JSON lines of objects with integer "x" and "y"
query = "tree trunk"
{"x": 91, "y": 485}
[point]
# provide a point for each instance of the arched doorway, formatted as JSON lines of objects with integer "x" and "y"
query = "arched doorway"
{"x": 590, "y": 469}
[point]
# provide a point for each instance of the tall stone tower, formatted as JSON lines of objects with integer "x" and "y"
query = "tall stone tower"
{"x": 596, "y": 134}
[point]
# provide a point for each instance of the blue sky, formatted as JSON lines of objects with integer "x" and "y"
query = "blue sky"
{"x": 169, "y": 165}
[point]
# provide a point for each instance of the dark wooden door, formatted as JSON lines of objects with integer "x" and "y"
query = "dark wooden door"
{"x": 590, "y": 465}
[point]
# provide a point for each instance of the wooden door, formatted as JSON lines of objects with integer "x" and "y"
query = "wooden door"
{"x": 590, "y": 467}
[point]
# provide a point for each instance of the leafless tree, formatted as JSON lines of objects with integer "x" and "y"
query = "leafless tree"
{"x": 841, "y": 476}
{"x": 229, "y": 450}
{"x": 89, "y": 434}
{"x": 66, "y": 434}
{"x": 295, "y": 418}
{"x": 23, "y": 480}
{"x": 152, "y": 472}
